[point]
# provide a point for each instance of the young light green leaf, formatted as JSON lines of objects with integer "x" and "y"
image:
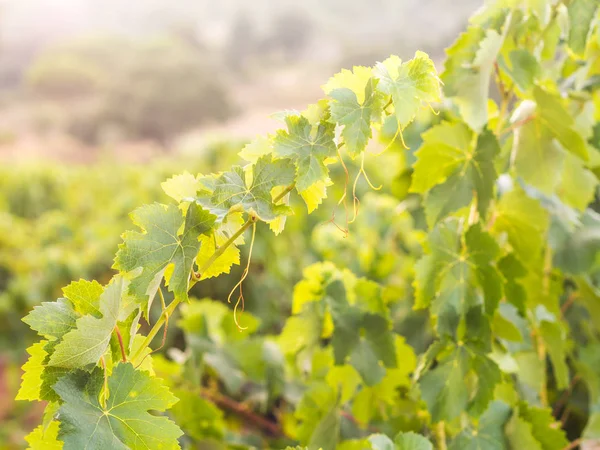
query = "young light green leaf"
{"x": 44, "y": 439}
{"x": 31, "y": 381}
{"x": 181, "y": 186}
{"x": 85, "y": 296}
{"x": 410, "y": 84}
{"x": 209, "y": 243}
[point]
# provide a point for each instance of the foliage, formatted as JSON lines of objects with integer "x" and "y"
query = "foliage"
{"x": 499, "y": 195}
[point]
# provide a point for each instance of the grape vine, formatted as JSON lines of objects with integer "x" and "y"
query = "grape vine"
{"x": 506, "y": 180}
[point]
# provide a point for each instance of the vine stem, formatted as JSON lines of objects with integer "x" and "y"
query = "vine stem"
{"x": 273, "y": 428}
{"x": 168, "y": 311}
{"x": 573, "y": 444}
{"x": 440, "y": 435}
{"x": 120, "y": 339}
{"x": 155, "y": 329}
{"x": 541, "y": 347}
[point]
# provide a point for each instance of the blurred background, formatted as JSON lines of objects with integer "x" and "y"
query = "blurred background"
{"x": 101, "y": 101}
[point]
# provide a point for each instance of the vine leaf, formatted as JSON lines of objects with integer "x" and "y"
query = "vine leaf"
{"x": 84, "y": 346}
{"x": 524, "y": 221}
{"x": 444, "y": 389}
{"x": 489, "y": 433}
{"x": 124, "y": 422}
{"x": 42, "y": 438}
{"x": 52, "y": 320}
{"x": 402, "y": 441}
{"x": 85, "y": 296}
{"x": 356, "y": 117}
{"x": 200, "y": 418}
{"x": 218, "y": 237}
{"x": 470, "y": 170}
{"x": 181, "y": 186}
{"x": 451, "y": 272}
{"x": 31, "y": 381}
{"x": 319, "y": 416}
{"x": 247, "y": 190}
{"x": 410, "y": 84}
{"x": 467, "y": 72}
{"x": 160, "y": 245}
{"x": 556, "y": 343}
{"x": 581, "y": 14}
{"x": 307, "y": 148}
{"x": 553, "y": 114}
{"x": 532, "y": 427}
{"x": 364, "y": 352}
{"x": 446, "y": 397}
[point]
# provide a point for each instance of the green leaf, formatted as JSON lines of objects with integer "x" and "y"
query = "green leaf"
{"x": 483, "y": 251}
{"x": 538, "y": 158}
{"x": 364, "y": 352}
{"x": 450, "y": 168}
{"x": 124, "y": 422}
{"x": 307, "y": 148}
{"x": 544, "y": 427}
{"x": 326, "y": 434}
{"x": 412, "y": 441}
{"x": 520, "y": 435}
{"x": 489, "y": 432}
{"x": 410, "y": 84}
{"x": 356, "y": 117}
{"x": 444, "y": 389}
{"x": 44, "y": 439}
{"x": 85, "y": 296}
{"x": 467, "y": 73}
{"x": 31, "y": 381}
{"x": 319, "y": 417}
{"x": 451, "y": 274}
{"x": 553, "y": 114}
{"x": 162, "y": 243}
{"x": 524, "y": 221}
{"x": 581, "y": 15}
{"x": 512, "y": 270}
{"x": 445, "y": 147}
{"x": 381, "y": 442}
{"x": 522, "y": 67}
{"x": 84, "y": 346}
{"x": 577, "y": 185}
{"x": 52, "y": 320}
{"x": 556, "y": 344}
{"x": 199, "y": 418}
{"x": 248, "y": 191}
